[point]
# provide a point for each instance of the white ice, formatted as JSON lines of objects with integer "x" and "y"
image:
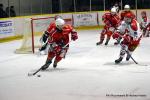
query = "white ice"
{"x": 87, "y": 73}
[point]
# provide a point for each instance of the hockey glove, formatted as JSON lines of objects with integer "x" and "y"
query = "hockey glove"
{"x": 116, "y": 35}
{"x": 44, "y": 37}
{"x": 43, "y": 47}
{"x": 126, "y": 39}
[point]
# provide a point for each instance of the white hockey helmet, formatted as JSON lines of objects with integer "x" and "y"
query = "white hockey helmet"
{"x": 59, "y": 23}
{"x": 57, "y": 16}
{"x": 126, "y": 7}
{"x": 113, "y": 11}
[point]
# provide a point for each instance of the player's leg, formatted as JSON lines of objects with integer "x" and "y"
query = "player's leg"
{"x": 131, "y": 47}
{"x": 147, "y": 32}
{"x": 102, "y": 37}
{"x": 122, "y": 53}
{"x": 50, "y": 57}
{"x": 109, "y": 34}
{"x": 124, "y": 47}
{"x": 59, "y": 57}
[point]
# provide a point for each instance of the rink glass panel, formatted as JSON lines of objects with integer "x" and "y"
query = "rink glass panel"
{"x": 36, "y": 7}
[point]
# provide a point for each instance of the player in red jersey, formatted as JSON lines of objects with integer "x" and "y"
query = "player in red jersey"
{"x": 126, "y": 10}
{"x": 111, "y": 21}
{"x": 131, "y": 37}
{"x": 145, "y": 24}
{"x": 57, "y": 36}
{"x": 44, "y": 48}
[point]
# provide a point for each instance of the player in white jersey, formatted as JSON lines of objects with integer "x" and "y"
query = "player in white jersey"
{"x": 130, "y": 29}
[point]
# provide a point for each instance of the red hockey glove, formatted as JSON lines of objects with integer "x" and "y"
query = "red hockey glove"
{"x": 116, "y": 35}
{"x": 126, "y": 39}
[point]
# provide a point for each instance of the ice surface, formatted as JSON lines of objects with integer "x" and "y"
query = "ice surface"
{"x": 87, "y": 73}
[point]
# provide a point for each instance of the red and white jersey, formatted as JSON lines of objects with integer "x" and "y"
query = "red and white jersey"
{"x": 111, "y": 20}
{"x": 123, "y": 13}
{"x": 133, "y": 29}
{"x": 58, "y": 36}
{"x": 145, "y": 21}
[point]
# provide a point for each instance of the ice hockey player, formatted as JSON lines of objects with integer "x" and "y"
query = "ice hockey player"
{"x": 57, "y": 36}
{"x": 131, "y": 38}
{"x": 122, "y": 15}
{"x": 111, "y": 21}
{"x": 126, "y": 10}
{"x": 44, "y": 48}
{"x": 145, "y": 24}
{"x": 117, "y": 7}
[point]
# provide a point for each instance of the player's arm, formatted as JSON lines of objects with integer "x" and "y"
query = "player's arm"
{"x": 69, "y": 29}
{"x": 134, "y": 30}
{"x": 106, "y": 20}
{"x": 44, "y": 37}
{"x": 74, "y": 35}
{"x": 47, "y": 33}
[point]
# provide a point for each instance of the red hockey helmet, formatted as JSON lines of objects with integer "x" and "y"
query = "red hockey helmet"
{"x": 143, "y": 13}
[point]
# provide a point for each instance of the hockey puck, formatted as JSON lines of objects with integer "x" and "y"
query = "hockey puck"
{"x": 29, "y": 74}
{"x": 38, "y": 75}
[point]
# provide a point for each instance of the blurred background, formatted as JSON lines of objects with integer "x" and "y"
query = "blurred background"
{"x": 15, "y": 8}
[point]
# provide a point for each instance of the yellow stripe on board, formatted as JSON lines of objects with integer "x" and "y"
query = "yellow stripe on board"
{"x": 10, "y": 38}
{"x": 89, "y": 27}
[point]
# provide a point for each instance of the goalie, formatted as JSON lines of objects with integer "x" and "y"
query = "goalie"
{"x": 57, "y": 37}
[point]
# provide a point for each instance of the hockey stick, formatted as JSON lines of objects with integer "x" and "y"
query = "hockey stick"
{"x": 34, "y": 73}
{"x": 132, "y": 57}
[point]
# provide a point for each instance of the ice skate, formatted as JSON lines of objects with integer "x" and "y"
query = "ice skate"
{"x": 118, "y": 60}
{"x": 128, "y": 57}
{"x": 99, "y": 43}
{"x": 45, "y": 66}
{"x": 116, "y": 43}
{"x": 106, "y": 43}
{"x": 54, "y": 65}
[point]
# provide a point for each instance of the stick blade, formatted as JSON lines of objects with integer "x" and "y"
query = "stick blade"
{"x": 30, "y": 74}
